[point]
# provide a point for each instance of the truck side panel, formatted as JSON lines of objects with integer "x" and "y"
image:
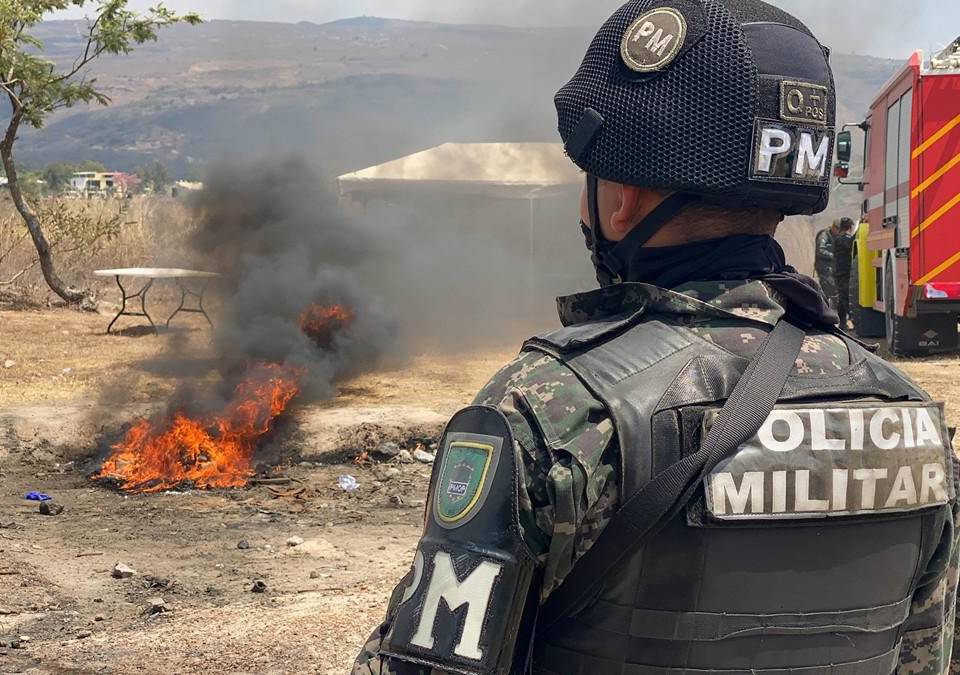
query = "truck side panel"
{"x": 935, "y": 192}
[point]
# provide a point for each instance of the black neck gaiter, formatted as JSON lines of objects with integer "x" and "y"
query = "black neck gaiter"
{"x": 736, "y": 258}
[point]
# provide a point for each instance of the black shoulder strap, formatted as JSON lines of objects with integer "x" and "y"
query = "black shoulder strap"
{"x": 748, "y": 407}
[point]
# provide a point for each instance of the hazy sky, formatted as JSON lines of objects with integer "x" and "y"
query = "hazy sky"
{"x": 896, "y": 28}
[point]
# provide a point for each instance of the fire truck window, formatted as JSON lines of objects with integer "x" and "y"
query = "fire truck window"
{"x": 906, "y": 110}
{"x": 903, "y": 196}
{"x": 867, "y": 154}
{"x": 893, "y": 156}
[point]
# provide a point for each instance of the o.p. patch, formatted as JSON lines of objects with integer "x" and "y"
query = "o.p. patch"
{"x": 654, "y": 40}
{"x": 469, "y": 465}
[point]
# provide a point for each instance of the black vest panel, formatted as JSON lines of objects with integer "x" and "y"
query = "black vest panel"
{"x": 806, "y": 597}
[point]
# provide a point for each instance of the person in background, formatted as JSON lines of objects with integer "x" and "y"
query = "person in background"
{"x": 824, "y": 261}
{"x": 842, "y": 264}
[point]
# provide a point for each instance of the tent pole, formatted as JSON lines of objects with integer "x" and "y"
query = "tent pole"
{"x": 531, "y": 264}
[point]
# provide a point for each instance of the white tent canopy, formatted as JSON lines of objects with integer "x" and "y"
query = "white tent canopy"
{"x": 502, "y": 170}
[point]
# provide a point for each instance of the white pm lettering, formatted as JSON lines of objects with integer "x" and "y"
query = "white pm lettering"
{"x": 777, "y": 144}
{"x": 474, "y": 591}
{"x": 658, "y": 42}
{"x": 773, "y": 143}
{"x": 809, "y": 162}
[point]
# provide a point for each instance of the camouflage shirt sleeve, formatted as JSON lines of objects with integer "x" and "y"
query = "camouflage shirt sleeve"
{"x": 565, "y": 440}
{"x": 824, "y": 247}
{"x": 929, "y": 646}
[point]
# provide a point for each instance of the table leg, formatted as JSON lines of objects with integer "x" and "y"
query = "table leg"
{"x": 123, "y": 306}
{"x": 185, "y": 292}
{"x": 143, "y": 305}
{"x": 183, "y": 301}
{"x": 203, "y": 310}
{"x": 142, "y": 294}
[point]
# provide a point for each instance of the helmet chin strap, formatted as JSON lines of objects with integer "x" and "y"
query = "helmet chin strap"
{"x": 611, "y": 259}
{"x": 608, "y": 268}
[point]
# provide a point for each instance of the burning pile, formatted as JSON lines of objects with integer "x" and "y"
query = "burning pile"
{"x": 215, "y": 450}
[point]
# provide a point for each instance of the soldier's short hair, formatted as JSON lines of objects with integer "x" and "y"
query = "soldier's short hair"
{"x": 702, "y": 222}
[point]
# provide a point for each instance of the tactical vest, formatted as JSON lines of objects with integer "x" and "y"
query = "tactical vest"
{"x": 810, "y": 596}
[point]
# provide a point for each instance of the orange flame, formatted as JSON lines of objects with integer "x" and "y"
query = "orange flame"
{"x": 322, "y": 322}
{"x": 214, "y": 452}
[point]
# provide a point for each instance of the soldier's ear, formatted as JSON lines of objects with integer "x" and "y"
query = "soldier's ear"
{"x": 636, "y": 203}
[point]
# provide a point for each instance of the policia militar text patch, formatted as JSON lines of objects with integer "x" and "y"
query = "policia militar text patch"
{"x": 844, "y": 460}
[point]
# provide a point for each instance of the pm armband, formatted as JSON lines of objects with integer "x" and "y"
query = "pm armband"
{"x": 463, "y": 610}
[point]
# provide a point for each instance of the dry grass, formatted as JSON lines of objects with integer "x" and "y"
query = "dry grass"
{"x": 152, "y": 231}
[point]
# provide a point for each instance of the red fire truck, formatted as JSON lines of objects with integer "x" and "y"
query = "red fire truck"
{"x": 906, "y": 276}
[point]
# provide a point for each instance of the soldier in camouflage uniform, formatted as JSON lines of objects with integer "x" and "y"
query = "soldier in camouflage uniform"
{"x": 821, "y": 542}
{"x": 824, "y": 260}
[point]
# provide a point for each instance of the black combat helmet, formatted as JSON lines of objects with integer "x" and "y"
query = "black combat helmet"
{"x": 725, "y": 100}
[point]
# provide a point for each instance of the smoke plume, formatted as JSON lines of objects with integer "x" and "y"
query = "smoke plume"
{"x": 283, "y": 246}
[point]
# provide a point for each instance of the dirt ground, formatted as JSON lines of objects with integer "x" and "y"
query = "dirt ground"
{"x": 202, "y": 552}
{"x": 323, "y": 597}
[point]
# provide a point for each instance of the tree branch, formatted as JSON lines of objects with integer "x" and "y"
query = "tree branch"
{"x": 78, "y": 66}
{"x": 86, "y": 51}
{"x": 12, "y": 280}
{"x": 14, "y": 245}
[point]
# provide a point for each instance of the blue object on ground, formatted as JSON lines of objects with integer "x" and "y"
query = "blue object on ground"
{"x": 37, "y": 497}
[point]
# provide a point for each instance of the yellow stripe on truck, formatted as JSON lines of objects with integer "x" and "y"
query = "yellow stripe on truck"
{"x": 940, "y": 269}
{"x": 936, "y": 216}
{"x": 941, "y": 172}
{"x": 930, "y": 142}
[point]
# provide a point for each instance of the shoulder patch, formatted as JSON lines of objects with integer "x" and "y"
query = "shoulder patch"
{"x": 654, "y": 40}
{"x": 464, "y": 602}
{"x": 469, "y": 461}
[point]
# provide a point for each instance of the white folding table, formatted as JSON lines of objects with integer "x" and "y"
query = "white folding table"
{"x": 152, "y": 274}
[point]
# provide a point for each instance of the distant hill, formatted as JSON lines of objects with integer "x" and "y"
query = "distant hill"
{"x": 349, "y": 93}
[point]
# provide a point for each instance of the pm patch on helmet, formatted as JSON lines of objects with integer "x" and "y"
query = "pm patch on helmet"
{"x": 653, "y": 41}
{"x": 790, "y": 153}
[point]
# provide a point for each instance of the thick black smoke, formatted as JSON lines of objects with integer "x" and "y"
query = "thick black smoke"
{"x": 422, "y": 273}
{"x": 283, "y": 245}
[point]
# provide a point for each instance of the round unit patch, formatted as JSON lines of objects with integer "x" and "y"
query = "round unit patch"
{"x": 653, "y": 41}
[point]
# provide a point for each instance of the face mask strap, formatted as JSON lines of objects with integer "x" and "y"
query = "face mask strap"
{"x": 647, "y": 229}
{"x": 608, "y": 267}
